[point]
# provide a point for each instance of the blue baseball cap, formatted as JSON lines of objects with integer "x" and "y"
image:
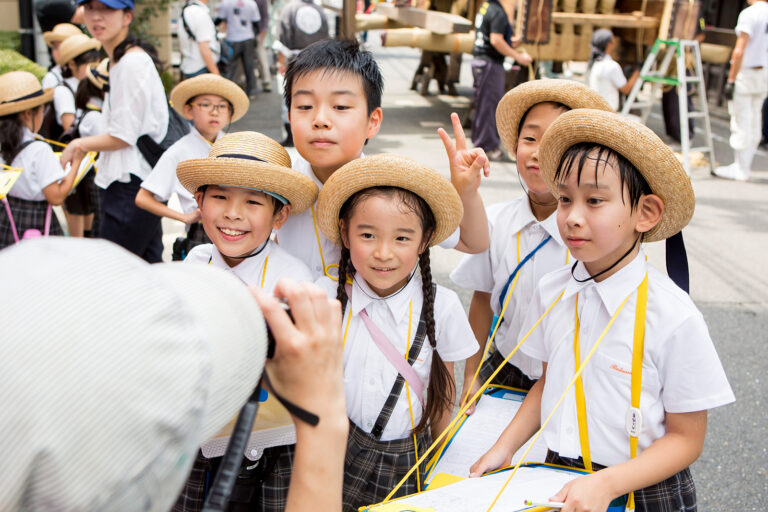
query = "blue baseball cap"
{"x": 112, "y": 4}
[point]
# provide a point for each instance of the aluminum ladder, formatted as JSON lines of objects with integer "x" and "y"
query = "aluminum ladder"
{"x": 655, "y": 73}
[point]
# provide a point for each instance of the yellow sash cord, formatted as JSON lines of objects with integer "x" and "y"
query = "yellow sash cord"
{"x": 320, "y": 248}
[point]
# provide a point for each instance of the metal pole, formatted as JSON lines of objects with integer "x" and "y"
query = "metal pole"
{"x": 26, "y": 28}
{"x": 348, "y": 22}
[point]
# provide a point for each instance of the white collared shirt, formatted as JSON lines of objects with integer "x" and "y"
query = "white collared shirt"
{"x": 64, "y": 97}
{"x": 681, "y": 369}
{"x": 162, "y": 181}
{"x": 301, "y": 236}
{"x": 368, "y": 374}
{"x": 41, "y": 168}
{"x": 490, "y": 270}
{"x": 252, "y": 271}
{"x": 134, "y": 106}
{"x": 52, "y": 78}
{"x": 198, "y": 18}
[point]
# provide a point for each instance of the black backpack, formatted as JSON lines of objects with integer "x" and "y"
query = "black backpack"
{"x": 151, "y": 150}
{"x": 51, "y": 129}
{"x": 225, "y": 49}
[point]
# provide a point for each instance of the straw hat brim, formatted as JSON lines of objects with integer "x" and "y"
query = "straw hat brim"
{"x": 515, "y": 103}
{"x": 298, "y": 189}
{"x": 20, "y": 106}
{"x": 71, "y": 53}
{"x": 210, "y": 84}
{"x": 51, "y": 37}
{"x": 389, "y": 171}
{"x": 635, "y": 142}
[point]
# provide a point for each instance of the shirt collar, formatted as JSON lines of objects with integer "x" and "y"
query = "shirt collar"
{"x": 26, "y": 134}
{"x": 527, "y": 218}
{"x": 300, "y": 164}
{"x": 616, "y": 288}
{"x": 248, "y": 270}
{"x": 195, "y": 132}
{"x": 398, "y": 304}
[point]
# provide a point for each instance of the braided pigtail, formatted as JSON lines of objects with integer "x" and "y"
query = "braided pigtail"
{"x": 441, "y": 388}
{"x": 344, "y": 269}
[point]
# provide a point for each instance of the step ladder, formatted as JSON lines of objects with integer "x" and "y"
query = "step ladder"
{"x": 654, "y": 71}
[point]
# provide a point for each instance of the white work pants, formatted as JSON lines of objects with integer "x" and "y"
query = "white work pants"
{"x": 745, "y": 109}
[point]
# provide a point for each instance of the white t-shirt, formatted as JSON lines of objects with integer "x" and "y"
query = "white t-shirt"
{"x": 162, "y": 181}
{"x": 681, "y": 370}
{"x": 368, "y": 374}
{"x": 490, "y": 270}
{"x": 240, "y": 16}
{"x": 199, "y": 20}
{"x": 607, "y": 78}
{"x": 134, "y": 106}
{"x": 753, "y": 21}
{"x": 93, "y": 122}
{"x": 269, "y": 266}
{"x": 301, "y": 236}
{"x": 64, "y": 98}
{"x": 41, "y": 168}
{"x": 52, "y": 78}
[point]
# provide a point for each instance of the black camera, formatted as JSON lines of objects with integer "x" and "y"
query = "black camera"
{"x": 270, "y": 337}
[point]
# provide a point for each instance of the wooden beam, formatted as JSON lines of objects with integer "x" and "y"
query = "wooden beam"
{"x": 348, "y": 23}
{"x": 426, "y": 40}
{"x": 438, "y": 22}
{"x": 605, "y": 20}
{"x": 375, "y": 22}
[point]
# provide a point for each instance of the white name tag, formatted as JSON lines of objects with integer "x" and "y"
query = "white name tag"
{"x": 634, "y": 422}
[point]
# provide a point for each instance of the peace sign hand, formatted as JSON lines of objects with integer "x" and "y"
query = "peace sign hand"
{"x": 468, "y": 166}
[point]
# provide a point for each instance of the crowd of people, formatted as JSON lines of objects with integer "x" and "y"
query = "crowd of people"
{"x": 556, "y": 274}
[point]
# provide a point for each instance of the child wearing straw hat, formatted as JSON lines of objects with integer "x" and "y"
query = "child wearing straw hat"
{"x": 53, "y": 39}
{"x": 525, "y": 242}
{"x": 625, "y": 336}
{"x": 42, "y": 182}
{"x": 402, "y": 333}
{"x": 210, "y": 102}
{"x": 331, "y": 129}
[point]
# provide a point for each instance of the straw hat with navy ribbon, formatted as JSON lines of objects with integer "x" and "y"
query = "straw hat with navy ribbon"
{"x": 60, "y": 32}
{"x": 99, "y": 75}
{"x": 250, "y": 160}
{"x": 21, "y": 90}
{"x": 635, "y": 142}
{"x": 388, "y": 170}
{"x": 75, "y": 46}
{"x": 209, "y": 83}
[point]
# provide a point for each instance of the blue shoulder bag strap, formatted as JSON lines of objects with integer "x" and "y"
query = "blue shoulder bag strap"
{"x": 517, "y": 269}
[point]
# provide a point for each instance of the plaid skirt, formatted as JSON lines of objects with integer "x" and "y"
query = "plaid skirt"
{"x": 373, "y": 468}
{"x": 26, "y": 215}
{"x": 675, "y": 494}
{"x": 510, "y": 375}
{"x": 278, "y": 465}
{"x": 192, "y": 497}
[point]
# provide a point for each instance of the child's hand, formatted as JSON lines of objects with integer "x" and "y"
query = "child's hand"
{"x": 585, "y": 494}
{"x": 467, "y": 165}
{"x": 466, "y": 395}
{"x": 192, "y": 217}
{"x": 495, "y": 458}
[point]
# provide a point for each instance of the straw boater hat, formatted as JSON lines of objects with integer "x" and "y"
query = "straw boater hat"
{"x": 519, "y": 100}
{"x": 21, "y": 90}
{"x": 210, "y": 84}
{"x": 74, "y": 46}
{"x": 250, "y": 160}
{"x": 98, "y": 75}
{"x": 387, "y": 170}
{"x": 635, "y": 142}
{"x": 60, "y": 32}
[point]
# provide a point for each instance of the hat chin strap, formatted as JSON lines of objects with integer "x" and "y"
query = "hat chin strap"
{"x": 254, "y": 253}
{"x": 607, "y": 269}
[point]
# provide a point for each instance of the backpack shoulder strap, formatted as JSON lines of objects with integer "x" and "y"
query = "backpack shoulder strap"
{"x": 187, "y": 29}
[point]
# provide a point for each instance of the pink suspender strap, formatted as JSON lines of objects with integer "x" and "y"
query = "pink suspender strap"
{"x": 10, "y": 219}
{"x": 47, "y": 220}
{"x": 396, "y": 358}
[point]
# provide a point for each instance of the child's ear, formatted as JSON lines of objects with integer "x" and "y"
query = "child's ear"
{"x": 650, "y": 209}
{"x": 280, "y": 217}
{"x": 374, "y": 123}
{"x": 188, "y": 111}
{"x": 199, "y": 198}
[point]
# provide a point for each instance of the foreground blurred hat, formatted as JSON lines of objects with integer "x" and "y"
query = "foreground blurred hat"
{"x": 113, "y": 371}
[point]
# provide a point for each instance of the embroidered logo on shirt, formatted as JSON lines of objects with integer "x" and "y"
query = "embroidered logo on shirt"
{"x": 620, "y": 370}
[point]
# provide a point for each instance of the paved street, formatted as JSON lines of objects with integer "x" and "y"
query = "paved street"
{"x": 726, "y": 240}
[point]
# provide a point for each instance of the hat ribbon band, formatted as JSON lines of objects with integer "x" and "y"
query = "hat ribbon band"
{"x": 27, "y": 97}
{"x": 250, "y": 157}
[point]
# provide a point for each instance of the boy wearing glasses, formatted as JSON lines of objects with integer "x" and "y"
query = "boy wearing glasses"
{"x": 211, "y": 103}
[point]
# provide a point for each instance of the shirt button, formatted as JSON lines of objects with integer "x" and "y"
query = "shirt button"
{"x": 369, "y": 425}
{"x": 569, "y": 430}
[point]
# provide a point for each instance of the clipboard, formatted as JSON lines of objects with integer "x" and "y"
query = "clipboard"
{"x": 87, "y": 164}
{"x": 8, "y": 177}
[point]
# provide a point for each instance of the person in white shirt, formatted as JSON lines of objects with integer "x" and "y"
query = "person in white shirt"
{"x": 242, "y": 19}
{"x": 42, "y": 182}
{"x": 210, "y": 102}
{"x": 53, "y": 39}
{"x": 135, "y": 106}
{"x": 198, "y": 43}
{"x": 402, "y": 333}
{"x": 75, "y": 55}
{"x": 649, "y": 372}
{"x": 746, "y": 89}
{"x": 603, "y": 73}
{"x": 525, "y": 242}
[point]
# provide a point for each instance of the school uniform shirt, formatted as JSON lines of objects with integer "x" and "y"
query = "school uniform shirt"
{"x": 301, "y": 236}
{"x": 368, "y": 374}
{"x": 490, "y": 270}
{"x": 41, "y": 168}
{"x": 198, "y": 18}
{"x": 52, "y": 78}
{"x": 134, "y": 106}
{"x": 607, "y": 78}
{"x": 162, "y": 181}
{"x": 250, "y": 271}
{"x": 64, "y": 98}
{"x": 681, "y": 370}
{"x": 92, "y": 121}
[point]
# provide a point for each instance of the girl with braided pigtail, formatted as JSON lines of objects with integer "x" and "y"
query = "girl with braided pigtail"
{"x": 402, "y": 333}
